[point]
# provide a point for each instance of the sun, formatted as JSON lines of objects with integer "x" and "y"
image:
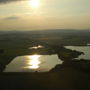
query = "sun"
{"x": 34, "y": 3}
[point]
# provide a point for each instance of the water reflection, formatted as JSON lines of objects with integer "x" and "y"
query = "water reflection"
{"x": 36, "y": 47}
{"x": 33, "y": 62}
{"x": 88, "y": 44}
{"x": 84, "y": 49}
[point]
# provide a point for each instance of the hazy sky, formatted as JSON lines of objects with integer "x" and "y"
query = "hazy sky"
{"x": 44, "y": 14}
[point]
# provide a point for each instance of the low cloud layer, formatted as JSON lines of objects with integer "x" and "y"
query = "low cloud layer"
{"x": 12, "y": 18}
{"x": 8, "y": 1}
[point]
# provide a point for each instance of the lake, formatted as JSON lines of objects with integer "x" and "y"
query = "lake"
{"x": 85, "y": 49}
{"x": 33, "y": 63}
{"x": 42, "y": 63}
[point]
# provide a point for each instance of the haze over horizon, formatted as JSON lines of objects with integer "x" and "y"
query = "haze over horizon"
{"x": 44, "y": 14}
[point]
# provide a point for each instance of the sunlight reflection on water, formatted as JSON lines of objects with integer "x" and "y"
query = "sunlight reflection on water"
{"x": 33, "y": 63}
{"x": 36, "y": 47}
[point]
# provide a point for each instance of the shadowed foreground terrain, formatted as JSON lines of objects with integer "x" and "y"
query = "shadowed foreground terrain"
{"x": 66, "y": 79}
{"x": 72, "y": 74}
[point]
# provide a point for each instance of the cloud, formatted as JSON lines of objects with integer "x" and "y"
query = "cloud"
{"x": 11, "y": 18}
{"x": 7, "y": 1}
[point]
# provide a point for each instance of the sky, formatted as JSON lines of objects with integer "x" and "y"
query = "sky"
{"x": 44, "y": 14}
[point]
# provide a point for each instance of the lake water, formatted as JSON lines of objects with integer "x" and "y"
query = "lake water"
{"x": 42, "y": 63}
{"x": 88, "y": 44}
{"x": 85, "y": 49}
{"x": 33, "y": 63}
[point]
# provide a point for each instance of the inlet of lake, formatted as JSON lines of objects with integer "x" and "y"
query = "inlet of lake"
{"x": 84, "y": 49}
{"x": 42, "y": 63}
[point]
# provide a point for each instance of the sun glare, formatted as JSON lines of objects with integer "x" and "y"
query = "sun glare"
{"x": 34, "y": 3}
